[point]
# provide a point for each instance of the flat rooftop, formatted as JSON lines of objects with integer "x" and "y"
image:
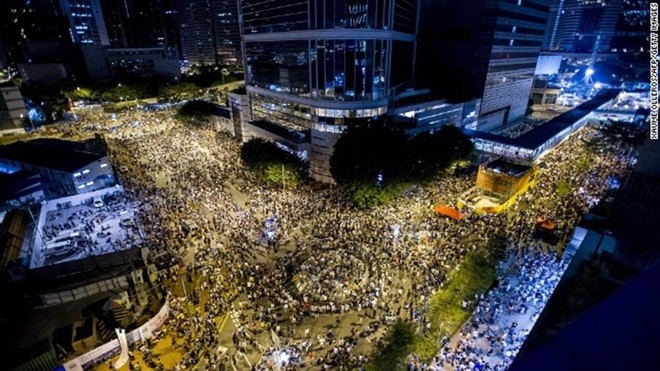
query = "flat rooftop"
{"x": 80, "y": 226}
{"x": 62, "y": 155}
{"x": 544, "y": 132}
{"x": 513, "y": 170}
{"x": 298, "y": 137}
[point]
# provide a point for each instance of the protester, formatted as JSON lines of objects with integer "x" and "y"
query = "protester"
{"x": 205, "y": 217}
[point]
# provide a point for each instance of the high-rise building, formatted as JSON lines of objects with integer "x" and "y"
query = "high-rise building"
{"x": 195, "y": 31}
{"x": 631, "y": 36}
{"x": 37, "y": 21}
{"x": 310, "y": 65}
{"x": 37, "y": 39}
{"x": 136, "y": 23}
{"x": 576, "y": 24}
{"x": 226, "y": 33}
{"x": 55, "y": 40}
{"x": 483, "y": 49}
{"x": 86, "y": 23}
{"x": 208, "y": 31}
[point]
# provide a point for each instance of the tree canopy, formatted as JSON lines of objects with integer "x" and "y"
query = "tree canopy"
{"x": 376, "y": 152}
{"x": 273, "y": 163}
{"x": 392, "y": 350}
{"x": 197, "y": 112}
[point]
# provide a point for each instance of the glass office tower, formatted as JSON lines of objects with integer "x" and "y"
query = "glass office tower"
{"x": 483, "y": 49}
{"x": 312, "y": 64}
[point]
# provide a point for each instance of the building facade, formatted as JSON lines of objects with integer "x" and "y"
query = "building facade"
{"x": 310, "y": 65}
{"x": 208, "y": 31}
{"x": 13, "y": 114}
{"x": 576, "y": 24}
{"x": 86, "y": 22}
{"x": 136, "y": 23}
{"x": 483, "y": 49}
{"x": 143, "y": 62}
{"x": 69, "y": 168}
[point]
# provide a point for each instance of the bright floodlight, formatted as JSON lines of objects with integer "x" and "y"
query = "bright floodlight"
{"x": 590, "y": 71}
{"x": 598, "y": 85}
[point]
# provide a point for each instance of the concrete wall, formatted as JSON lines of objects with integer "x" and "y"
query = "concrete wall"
{"x": 13, "y": 114}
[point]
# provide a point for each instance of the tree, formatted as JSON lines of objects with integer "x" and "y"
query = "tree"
{"x": 197, "y": 112}
{"x": 81, "y": 93}
{"x": 393, "y": 349}
{"x": 125, "y": 92}
{"x": 367, "y": 149}
{"x": 272, "y": 163}
{"x": 181, "y": 91}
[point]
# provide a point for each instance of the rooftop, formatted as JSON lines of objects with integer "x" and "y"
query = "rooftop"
{"x": 544, "y": 132}
{"x": 80, "y": 226}
{"x": 292, "y": 135}
{"x": 513, "y": 170}
{"x": 62, "y": 155}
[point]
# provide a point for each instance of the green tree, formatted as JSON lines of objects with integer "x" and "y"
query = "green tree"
{"x": 125, "y": 92}
{"x": 80, "y": 93}
{"x": 181, "y": 91}
{"x": 367, "y": 149}
{"x": 392, "y": 351}
{"x": 197, "y": 112}
{"x": 272, "y": 163}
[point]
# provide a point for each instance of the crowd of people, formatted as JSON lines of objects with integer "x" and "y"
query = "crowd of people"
{"x": 503, "y": 317}
{"x": 327, "y": 261}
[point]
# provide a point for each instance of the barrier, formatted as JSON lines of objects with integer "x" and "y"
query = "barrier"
{"x": 113, "y": 347}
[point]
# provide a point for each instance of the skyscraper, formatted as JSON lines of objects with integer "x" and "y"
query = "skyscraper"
{"x": 208, "y": 31}
{"x": 135, "y": 23}
{"x": 576, "y": 24}
{"x": 483, "y": 49}
{"x": 39, "y": 21}
{"x": 37, "y": 39}
{"x": 631, "y": 36}
{"x": 226, "y": 33}
{"x": 86, "y": 23}
{"x": 312, "y": 64}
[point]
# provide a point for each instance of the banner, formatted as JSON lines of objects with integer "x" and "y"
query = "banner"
{"x": 143, "y": 332}
{"x": 123, "y": 344}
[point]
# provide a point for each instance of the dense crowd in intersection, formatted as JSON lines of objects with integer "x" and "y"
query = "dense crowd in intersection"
{"x": 327, "y": 259}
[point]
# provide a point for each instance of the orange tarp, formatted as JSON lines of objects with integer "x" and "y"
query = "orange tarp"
{"x": 546, "y": 224}
{"x": 448, "y": 211}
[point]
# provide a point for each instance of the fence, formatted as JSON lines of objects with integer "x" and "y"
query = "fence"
{"x": 111, "y": 348}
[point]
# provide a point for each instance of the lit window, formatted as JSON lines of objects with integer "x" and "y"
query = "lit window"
{"x": 81, "y": 186}
{"x": 104, "y": 165}
{"x": 76, "y": 174}
{"x": 86, "y": 171}
{"x": 90, "y": 183}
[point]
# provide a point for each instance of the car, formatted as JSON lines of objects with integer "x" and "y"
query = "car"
{"x": 123, "y": 169}
{"x": 98, "y": 202}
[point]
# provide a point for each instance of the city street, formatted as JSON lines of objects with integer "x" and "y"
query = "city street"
{"x": 332, "y": 278}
